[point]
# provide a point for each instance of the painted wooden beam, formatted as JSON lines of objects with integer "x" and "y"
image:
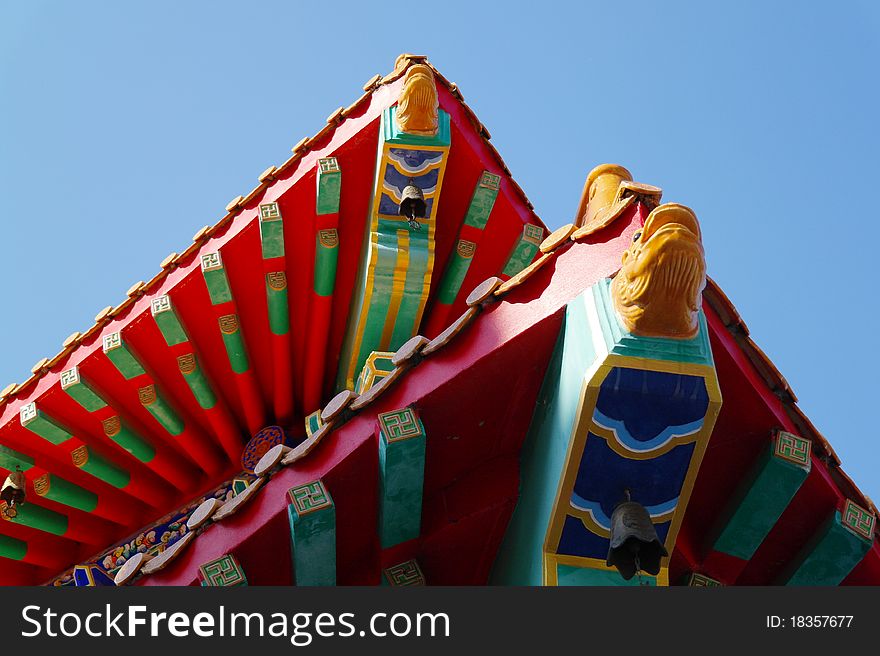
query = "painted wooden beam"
{"x": 466, "y": 243}
{"x": 402, "y": 443}
{"x": 398, "y": 258}
{"x": 312, "y": 518}
{"x": 764, "y": 495}
{"x": 215, "y": 408}
{"x": 839, "y": 545}
{"x": 275, "y": 275}
{"x": 524, "y": 250}
{"x": 329, "y": 192}
{"x": 226, "y": 315}
{"x": 39, "y": 552}
{"x": 201, "y": 449}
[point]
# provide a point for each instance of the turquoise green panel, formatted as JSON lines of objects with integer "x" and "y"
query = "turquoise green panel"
{"x": 12, "y": 548}
{"x": 761, "y": 499}
{"x": 401, "y": 480}
{"x": 329, "y": 187}
{"x": 520, "y": 558}
{"x": 69, "y": 494}
{"x": 201, "y": 387}
{"x": 124, "y": 360}
{"x": 279, "y": 317}
{"x": 170, "y": 326}
{"x": 407, "y": 314}
{"x": 522, "y": 255}
{"x": 576, "y": 576}
{"x": 313, "y": 423}
{"x": 453, "y": 278}
{"x": 325, "y": 267}
{"x": 829, "y": 557}
{"x": 236, "y": 351}
{"x": 47, "y": 428}
{"x": 83, "y": 394}
{"x": 313, "y": 540}
{"x": 134, "y": 443}
{"x": 10, "y": 458}
{"x": 393, "y": 133}
{"x": 272, "y": 238}
{"x": 218, "y": 285}
{"x": 482, "y": 201}
{"x": 41, "y": 519}
{"x": 165, "y": 415}
{"x": 98, "y": 467}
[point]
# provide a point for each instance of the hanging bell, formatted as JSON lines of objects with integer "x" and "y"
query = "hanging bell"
{"x": 634, "y": 544}
{"x": 412, "y": 205}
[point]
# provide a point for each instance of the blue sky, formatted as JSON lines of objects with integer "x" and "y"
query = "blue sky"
{"x": 127, "y": 126}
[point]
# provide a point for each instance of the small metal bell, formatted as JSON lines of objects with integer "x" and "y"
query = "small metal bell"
{"x": 412, "y": 205}
{"x": 634, "y": 544}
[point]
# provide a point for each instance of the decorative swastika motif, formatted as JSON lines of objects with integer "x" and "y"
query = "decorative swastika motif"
{"x": 112, "y": 341}
{"x": 406, "y": 573}
{"x": 28, "y": 413}
{"x": 211, "y": 261}
{"x": 400, "y": 425}
{"x": 792, "y": 448}
{"x": 160, "y": 304}
{"x": 329, "y": 238}
{"x": 228, "y": 323}
{"x": 310, "y": 497}
{"x": 223, "y": 572}
{"x": 328, "y": 165}
{"x": 270, "y": 212}
{"x": 465, "y": 248}
{"x": 858, "y": 520}
{"x": 69, "y": 377}
{"x": 490, "y": 180}
{"x": 533, "y": 233}
{"x": 277, "y": 280}
{"x": 702, "y": 581}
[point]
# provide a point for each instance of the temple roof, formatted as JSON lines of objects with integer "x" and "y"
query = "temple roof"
{"x": 115, "y": 433}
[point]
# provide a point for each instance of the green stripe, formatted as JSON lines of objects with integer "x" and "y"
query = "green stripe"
{"x": 134, "y": 444}
{"x": 125, "y": 361}
{"x": 481, "y": 205}
{"x": 48, "y": 428}
{"x": 381, "y": 294}
{"x": 522, "y": 255}
{"x": 456, "y": 270}
{"x": 218, "y": 285}
{"x": 100, "y": 468}
{"x": 279, "y": 318}
{"x": 405, "y": 322}
{"x": 85, "y": 396}
{"x": 830, "y": 556}
{"x": 329, "y": 190}
{"x": 272, "y": 238}
{"x": 236, "y": 351}
{"x": 325, "y": 268}
{"x": 72, "y": 495}
{"x": 10, "y": 458}
{"x": 170, "y": 327}
{"x": 165, "y": 415}
{"x": 41, "y": 519}
{"x": 12, "y": 548}
{"x": 200, "y": 387}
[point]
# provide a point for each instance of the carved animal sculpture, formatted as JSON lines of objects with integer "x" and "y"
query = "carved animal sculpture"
{"x": 418, "y": 104}
{"x": 663, "y": 273}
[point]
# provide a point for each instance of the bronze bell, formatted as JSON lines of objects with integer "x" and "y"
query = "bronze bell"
{"x": 634, "y": 543}
{"x": 412, "y": 205}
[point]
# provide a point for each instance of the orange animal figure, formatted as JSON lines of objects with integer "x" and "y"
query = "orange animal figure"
{"x": 662, "y": 275}
{"x": 418, "y": 105}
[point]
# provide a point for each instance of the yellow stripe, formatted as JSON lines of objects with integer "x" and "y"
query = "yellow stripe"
{"x": 398, "y": 282}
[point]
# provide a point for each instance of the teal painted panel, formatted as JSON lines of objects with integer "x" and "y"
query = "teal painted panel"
{"x": 393, "y": 134}
{"x": 829, "y": 557}
{"x": 12, "y": 548}
{"x": 124, "y": 360}
{"x": 313, "y": 546}
{"x": 9, "y": 459}
{"x": 85, "y": 396}
{"x": 574, "y": 576}
{"x": 272, "y": 238}
{"x": 218, "y": 285}
{"x": 401, "y": 481}
{"x": 520, "y": 558}
{"x": 758, "y": 504}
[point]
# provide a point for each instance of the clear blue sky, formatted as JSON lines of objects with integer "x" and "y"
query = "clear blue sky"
{"x": 127, "y": 126}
